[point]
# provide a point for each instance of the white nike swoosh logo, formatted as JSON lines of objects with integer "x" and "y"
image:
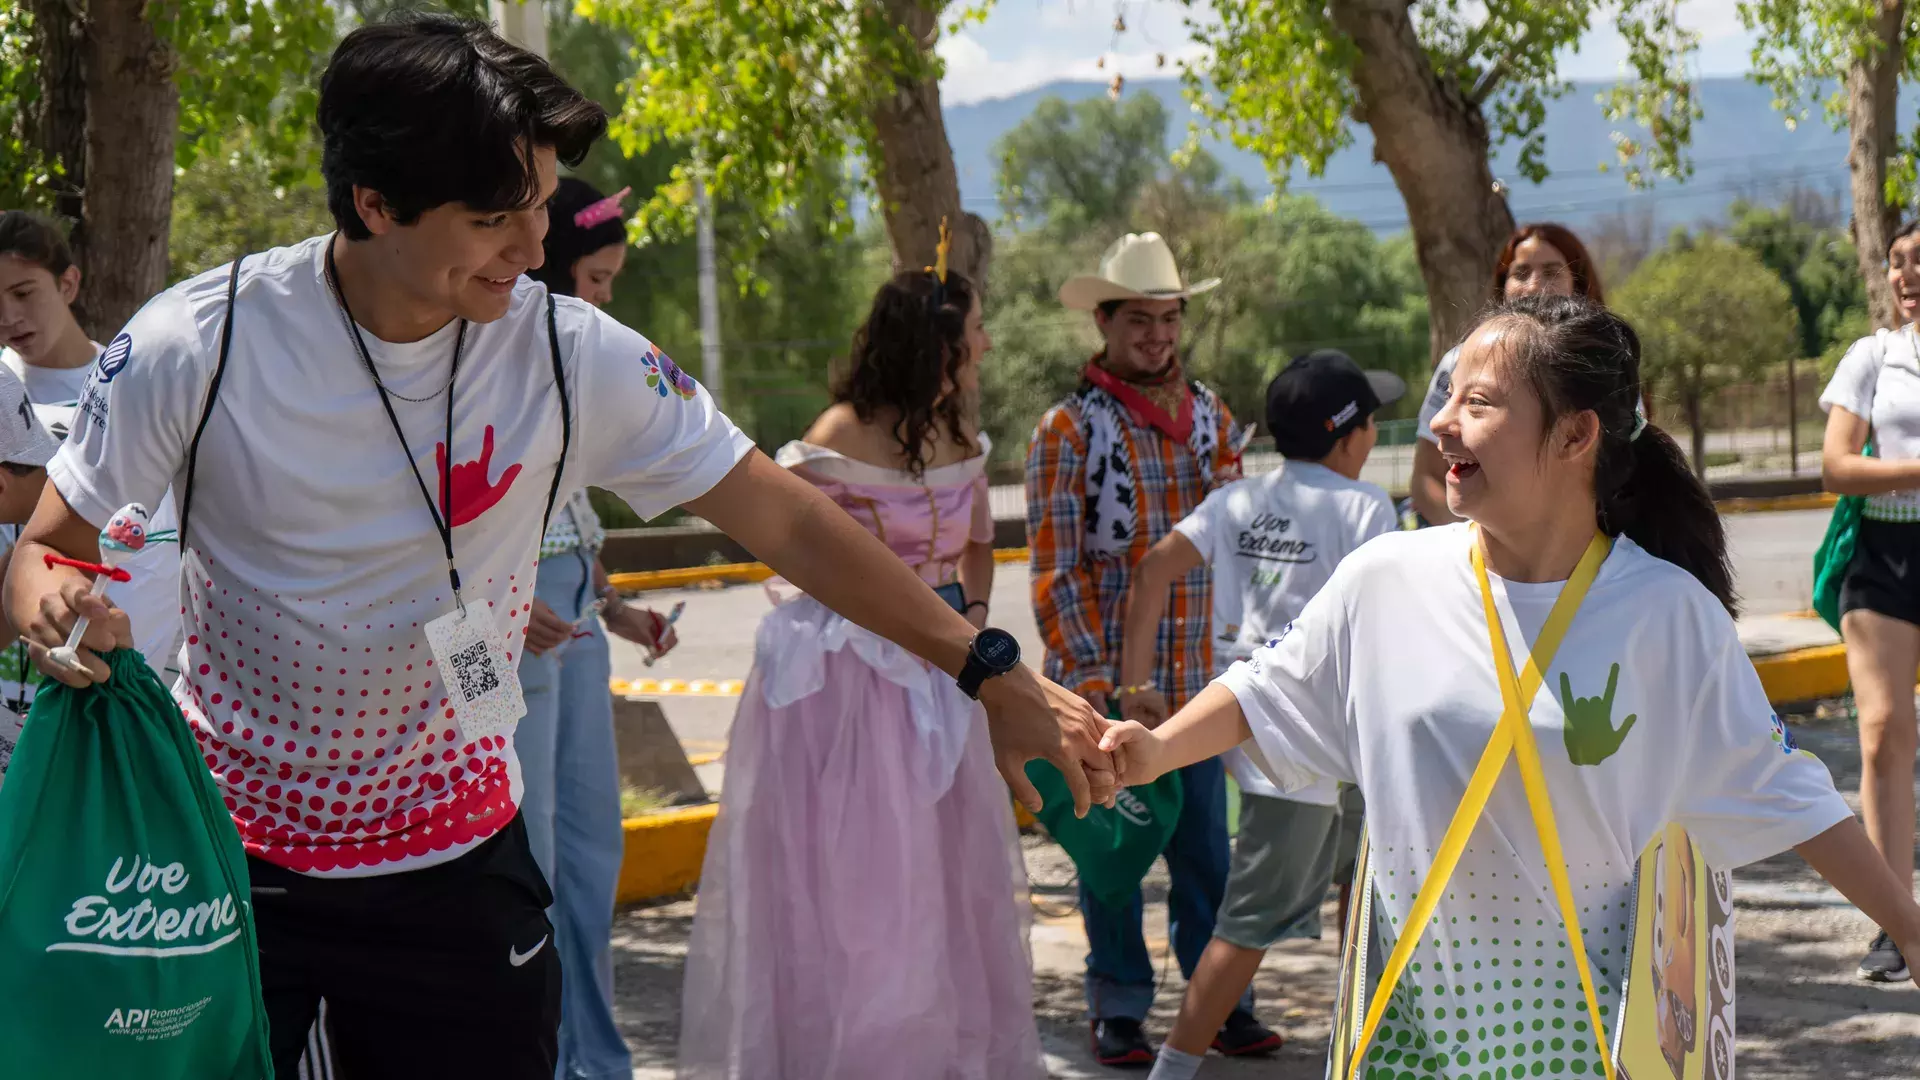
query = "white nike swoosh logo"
{"x": 516, "y": 957}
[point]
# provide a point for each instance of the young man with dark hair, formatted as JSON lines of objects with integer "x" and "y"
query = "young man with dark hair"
{"x": 366, "y": 431}
{"x": 1111, "y": 469}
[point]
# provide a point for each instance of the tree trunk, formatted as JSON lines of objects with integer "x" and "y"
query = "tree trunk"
{"x": 133, "y": 111}
{"x": 1692, "y": 400}
{"x": 59, "y": 128}
{"x": 1434, "y": 140}
{"x": 1873, "y": 90}
{"x": 914, "y": 171}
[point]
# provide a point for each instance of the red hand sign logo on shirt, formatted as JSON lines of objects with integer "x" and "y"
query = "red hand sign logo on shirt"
{"x": 473, "y": 493}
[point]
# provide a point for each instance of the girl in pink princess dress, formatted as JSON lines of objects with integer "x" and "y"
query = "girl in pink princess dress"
{"x": 863, "y": 908}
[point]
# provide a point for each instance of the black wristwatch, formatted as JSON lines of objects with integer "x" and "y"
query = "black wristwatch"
{"x": 993, "y": 652}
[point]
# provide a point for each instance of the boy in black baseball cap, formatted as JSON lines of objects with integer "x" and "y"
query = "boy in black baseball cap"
{"x": 1323, "y": 397}
{"x": 1273, "y": 541}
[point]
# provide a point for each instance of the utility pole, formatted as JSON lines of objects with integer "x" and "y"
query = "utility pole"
{"x": 522, "y": 22}
{"x": 710, "y": 359}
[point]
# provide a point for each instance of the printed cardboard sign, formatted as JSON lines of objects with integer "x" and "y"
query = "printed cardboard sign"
{"x": 1678, "y": 1013}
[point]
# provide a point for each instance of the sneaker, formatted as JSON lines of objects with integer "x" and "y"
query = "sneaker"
{"x": 1243, "y": 1035}
{"x": 1884, "y": 964}
{"x": 1119, "y": 1043}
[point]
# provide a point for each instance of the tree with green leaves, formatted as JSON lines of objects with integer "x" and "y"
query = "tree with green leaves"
{"x": 1085, "y": 162}
{"x": 101, "y": 100}
{"x": 1805, "y": 47}
{"x": 1438, "y": 83}
{"x": 1814, "y": 259}
{"x": 1710, "y": 314}
{"x": 770, "y": 100}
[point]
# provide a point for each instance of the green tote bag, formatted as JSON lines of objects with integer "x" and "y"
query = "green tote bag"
{"x": 1835, "y": 554}
{"x": 127, "y": 948}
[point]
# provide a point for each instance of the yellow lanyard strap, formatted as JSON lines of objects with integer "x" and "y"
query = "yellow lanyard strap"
{"x": 1527, "y": 756}
{"x": 1513, "y": 719}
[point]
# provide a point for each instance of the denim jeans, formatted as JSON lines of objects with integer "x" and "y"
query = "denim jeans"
{"x": 571, "y": 803}
{"x": 1120, "y": 975}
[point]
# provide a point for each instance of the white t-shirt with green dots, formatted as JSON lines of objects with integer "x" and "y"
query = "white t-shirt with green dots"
{"x": 1386, "y": 680}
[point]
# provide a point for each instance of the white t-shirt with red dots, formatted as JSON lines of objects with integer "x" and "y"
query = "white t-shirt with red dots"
{"x": 312, "y": 561}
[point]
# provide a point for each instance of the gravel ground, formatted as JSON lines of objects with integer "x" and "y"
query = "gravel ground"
{"x": 1802, "y": 1013}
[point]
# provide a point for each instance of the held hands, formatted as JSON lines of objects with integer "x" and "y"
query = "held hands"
{"x": 108, "y": 628}
{"x": 1139, "y": 755}
{"x": 1030, "y": 717}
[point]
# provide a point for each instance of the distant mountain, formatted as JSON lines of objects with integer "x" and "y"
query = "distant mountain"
{"x": 1742, "y": 147}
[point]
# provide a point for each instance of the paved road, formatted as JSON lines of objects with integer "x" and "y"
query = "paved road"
{"x": 1772, "y": 557}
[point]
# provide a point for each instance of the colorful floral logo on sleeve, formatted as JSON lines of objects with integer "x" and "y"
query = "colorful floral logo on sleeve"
{"x": 1784, "y": 738}
{"x": 663, "y": 375}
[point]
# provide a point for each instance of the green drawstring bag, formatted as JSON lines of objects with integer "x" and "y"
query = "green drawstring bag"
{"x": 1112, "y": 849}
{"x": 127, "y": 948}
{"x": 1835, "y": 554}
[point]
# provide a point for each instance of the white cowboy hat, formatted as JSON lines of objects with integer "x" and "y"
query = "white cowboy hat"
{"x": 1139, "y": 266}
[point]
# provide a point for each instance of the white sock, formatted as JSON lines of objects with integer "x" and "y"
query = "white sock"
{"x": 1174, "y": 1064}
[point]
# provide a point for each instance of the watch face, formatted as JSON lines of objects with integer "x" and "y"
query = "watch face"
{"x": 999, "y": 650}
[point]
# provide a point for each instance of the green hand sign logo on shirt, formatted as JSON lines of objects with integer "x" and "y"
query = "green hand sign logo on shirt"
{"x": 1591, "y": 736}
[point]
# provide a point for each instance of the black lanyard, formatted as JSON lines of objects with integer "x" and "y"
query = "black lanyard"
{"x": 441, "y": 525}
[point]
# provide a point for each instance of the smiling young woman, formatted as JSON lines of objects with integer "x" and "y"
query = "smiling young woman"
{"x": 1540, "y": 259}
{"x": 1875, "y": 392}
{"x": 1594, "y": 547}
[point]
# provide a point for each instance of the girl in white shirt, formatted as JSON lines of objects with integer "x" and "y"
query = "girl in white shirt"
{"x": 1652, "y": 714}
{"x": 1876, "y": 392}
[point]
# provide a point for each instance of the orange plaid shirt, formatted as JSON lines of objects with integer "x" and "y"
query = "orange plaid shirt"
{"x": 1078, "y": 599}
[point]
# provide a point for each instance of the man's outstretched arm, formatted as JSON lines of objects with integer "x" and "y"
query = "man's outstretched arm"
{"x": 793, "y": 528}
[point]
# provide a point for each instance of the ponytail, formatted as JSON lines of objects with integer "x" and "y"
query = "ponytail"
{"x": 1580, "y": 357}
{"x": 1652, "y": 497}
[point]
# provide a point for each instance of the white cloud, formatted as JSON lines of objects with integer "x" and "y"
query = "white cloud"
{"x": 974, "y": 74}
{"x": 1028, "y": 43}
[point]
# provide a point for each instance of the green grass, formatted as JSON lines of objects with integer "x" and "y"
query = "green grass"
{"x": 638, "y": 802}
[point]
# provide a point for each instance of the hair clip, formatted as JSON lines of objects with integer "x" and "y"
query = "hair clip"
{"x": 601, "y": 212}
{"x": 938, "y": 298}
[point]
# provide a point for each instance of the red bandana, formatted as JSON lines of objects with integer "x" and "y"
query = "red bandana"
{"x": 1165, "y": 403}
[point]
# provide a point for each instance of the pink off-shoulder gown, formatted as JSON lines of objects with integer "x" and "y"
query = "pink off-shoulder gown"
{"x": 863, "y": 909}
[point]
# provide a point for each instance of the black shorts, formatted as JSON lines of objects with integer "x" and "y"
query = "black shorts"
{"x": 1884, "y": 576}
{"x": 446, "y": 971}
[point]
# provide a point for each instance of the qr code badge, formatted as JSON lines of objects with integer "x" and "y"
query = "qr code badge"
{"x": 482, "y": 686}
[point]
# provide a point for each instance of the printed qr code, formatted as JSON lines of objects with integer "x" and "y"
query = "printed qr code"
{"x": 473, "y": 666}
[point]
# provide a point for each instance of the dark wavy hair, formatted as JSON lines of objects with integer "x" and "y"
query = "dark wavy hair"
{"x": 1578, "y": 356}
{"x": 1586, "y": 276}
{"x": 567, "y": 243}
{"x": 904, "y": 357}
{"x": 429, "y": 110}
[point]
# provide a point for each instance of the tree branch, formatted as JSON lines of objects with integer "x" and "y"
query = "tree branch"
{"x": 1488, "y": 83}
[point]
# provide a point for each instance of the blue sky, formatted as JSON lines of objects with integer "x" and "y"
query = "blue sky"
{"x": 1027, "y": 43}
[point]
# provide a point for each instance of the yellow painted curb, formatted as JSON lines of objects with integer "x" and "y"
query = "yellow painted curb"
{"x": 1804, "y": 674}
{"x": 677, "y": 687}
{"x": 1818, "y": 500}
{"x": 664, "y": 852}
{"x": 681, "y": 577}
